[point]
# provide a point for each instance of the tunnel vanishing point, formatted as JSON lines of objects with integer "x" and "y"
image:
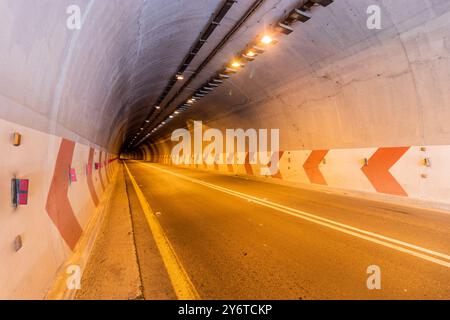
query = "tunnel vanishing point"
{"x": 220, "y": 149}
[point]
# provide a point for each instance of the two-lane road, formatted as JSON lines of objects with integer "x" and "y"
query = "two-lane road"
{"x": 241, "y": 238}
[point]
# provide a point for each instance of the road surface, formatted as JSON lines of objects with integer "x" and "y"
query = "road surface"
{"x": 241, "y": 238}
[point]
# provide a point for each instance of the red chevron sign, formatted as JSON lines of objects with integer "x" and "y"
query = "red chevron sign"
{"x": 377, "y": 170}
{"x": 58, "y": 205}
{"x": 311, "y": 166}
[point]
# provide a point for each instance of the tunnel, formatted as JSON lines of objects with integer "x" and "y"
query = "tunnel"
{"x": 225, "y": 150}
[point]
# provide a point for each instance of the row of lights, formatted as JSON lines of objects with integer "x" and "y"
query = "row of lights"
{"x": 266, "y": 40}
{"x": 232, "y": 67}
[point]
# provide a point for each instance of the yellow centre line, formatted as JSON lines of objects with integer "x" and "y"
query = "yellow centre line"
{"x": 182, "y": 285}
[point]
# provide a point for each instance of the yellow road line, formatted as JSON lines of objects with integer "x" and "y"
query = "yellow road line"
{"x": 181, "y": 283}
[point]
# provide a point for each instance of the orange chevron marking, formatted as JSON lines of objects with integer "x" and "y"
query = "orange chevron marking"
{"x": 58, "y": 205}
{"x": 377, "y": 171}
{"x": 247, "y": 165}
{"x": 311, "y": 166}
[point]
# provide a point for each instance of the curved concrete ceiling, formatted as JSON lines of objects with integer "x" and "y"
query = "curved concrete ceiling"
{"x": 98, "y": 85}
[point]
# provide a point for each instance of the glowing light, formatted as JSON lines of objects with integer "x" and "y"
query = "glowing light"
{"x": 250, "y": 53}
{"x": 157, "y": 107}
{"x": 235, "y": 64}
{"x": 266, "y": 39}
{"x": 180, "y": 77}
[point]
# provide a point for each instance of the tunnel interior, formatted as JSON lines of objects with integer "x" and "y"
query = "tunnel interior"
{"x": 358, "y": 91}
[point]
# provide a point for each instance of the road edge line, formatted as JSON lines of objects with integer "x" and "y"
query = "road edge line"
{"x": 181, "y": 283}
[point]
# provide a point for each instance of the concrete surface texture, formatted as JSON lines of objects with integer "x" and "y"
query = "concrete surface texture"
{"x": 112, "y": 272}
{"x": 359, "y": 109}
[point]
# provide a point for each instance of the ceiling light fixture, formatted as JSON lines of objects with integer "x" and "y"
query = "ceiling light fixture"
{"x": 236, "y": 64}
{"x": 266, "y": 39}
{"x": 250, "y": 53}
{"x": 284, "y": 28}
{"x": 258, "y": 49}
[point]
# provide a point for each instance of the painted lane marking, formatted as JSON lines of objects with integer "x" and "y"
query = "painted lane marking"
{"x": 179, "y": 278}
{"x": 395, "y": 244}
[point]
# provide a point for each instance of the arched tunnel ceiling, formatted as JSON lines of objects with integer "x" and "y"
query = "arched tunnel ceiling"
{"x": 97, "y": 85}
{"x": 335, "y": 83}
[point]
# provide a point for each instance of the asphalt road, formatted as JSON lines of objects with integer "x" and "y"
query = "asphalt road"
{"x": 278, "y": 245}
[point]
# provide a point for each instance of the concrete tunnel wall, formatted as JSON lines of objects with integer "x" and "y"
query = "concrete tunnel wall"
{"x": 337, "y": 91}
{"x": 73, "y": 95}
{"x": 358, "y": 110}
{"x": 37, "y": 238}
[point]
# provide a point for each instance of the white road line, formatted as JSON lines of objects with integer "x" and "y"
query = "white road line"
{"x": 395, "y": 244}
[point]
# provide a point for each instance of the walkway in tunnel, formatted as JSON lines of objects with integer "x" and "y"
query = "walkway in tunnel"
{"x": 278, "y": 244}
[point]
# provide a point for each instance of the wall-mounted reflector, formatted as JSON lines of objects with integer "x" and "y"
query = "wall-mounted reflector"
{"x": 18, "y": 243}
{"x": 72, "y": 175}
{"x": 19, "y": 190}
{"x": 17, "y": 139}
